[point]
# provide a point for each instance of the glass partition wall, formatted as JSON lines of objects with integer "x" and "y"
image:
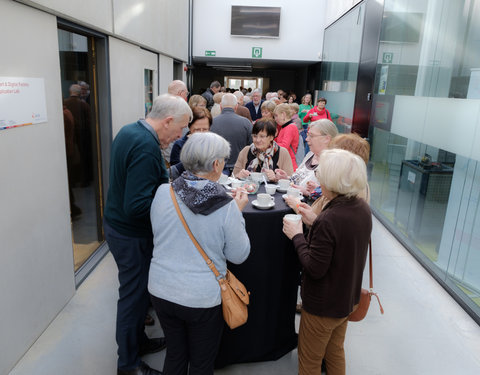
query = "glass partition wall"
{"x": 339, "y": 71}
{"x": 425, "y": 138}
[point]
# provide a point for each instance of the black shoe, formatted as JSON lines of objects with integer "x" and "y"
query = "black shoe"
{"x": 152, "y": 346}
{"x": 143, "y": 369}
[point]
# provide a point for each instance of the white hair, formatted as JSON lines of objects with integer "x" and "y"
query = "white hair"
{"x": 170, "y": 105}
{"x": 238, "y": 94}
{"x": 325, "y": 127}
{"x": 228, "y": 101}
{"x": 201, "y": 150}
{"x": 341, "y": 172}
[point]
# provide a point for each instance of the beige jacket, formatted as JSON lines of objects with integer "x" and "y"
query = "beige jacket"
{"x": 284, "y": 161}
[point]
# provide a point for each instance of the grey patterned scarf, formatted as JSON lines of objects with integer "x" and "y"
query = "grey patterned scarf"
{"x": 202, "y": 196}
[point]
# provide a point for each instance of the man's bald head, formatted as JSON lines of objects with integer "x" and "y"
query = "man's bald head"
{"x": 178, "y": 88}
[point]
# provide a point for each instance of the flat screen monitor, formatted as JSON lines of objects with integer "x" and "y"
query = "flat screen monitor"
{"x": 401, "y": 27}
{"x": 255, "y": 22}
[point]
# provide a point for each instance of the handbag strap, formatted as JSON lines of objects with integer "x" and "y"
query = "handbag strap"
{"x": 192, "y": 237}
{"x": 370, "y": 263}
{"x": 372, "y": 293}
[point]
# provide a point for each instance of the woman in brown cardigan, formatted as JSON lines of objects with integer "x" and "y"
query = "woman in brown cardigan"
{"x": 333, "y": 258}
{"x": 264, "y": 154}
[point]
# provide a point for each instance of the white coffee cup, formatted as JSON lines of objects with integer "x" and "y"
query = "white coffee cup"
{"x": 293, "y": 217}
{"x": 256, "y": 176}
{"x": 284, "y": 184}
{"x": 264, "y": 199}
{"x": 237, "y": 184}
{"x": 270, "y": 188}
{"x": 294, "y": 192}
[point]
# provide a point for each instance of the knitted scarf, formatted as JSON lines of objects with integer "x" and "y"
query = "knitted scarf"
{"x": 264, "y": 159}
{"x": 200, "y": 195}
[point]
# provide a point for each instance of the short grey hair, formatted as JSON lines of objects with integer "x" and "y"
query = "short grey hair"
{"x": 176, "y": 87}
{"x": 75, "y": 89}
{"x": 325, "y": 127}
{"x": 170, "y": 105}
{"x": 201, "y": 150}
{"x": 229, "y": 101}
{"x": 257, "y": 91}
{"x": 341, "y": 172}
{"x": 215, "y": 84}
{"x": 238, "y": 94}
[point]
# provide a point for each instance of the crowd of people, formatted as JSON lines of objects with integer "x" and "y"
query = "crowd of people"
{"x": 235, "y": 134}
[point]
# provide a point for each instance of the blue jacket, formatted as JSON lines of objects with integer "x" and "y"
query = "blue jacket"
{"x": 176, "y": 149}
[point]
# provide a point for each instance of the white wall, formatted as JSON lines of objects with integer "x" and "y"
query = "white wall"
{"x": 160, "y": 24}
{"x": 94, "y": 13}
{"x": 36, "y": 256}
{"x": 127, "y": 81}
{"x": 336, "y": 8}
{"x": 301, "y": 30}
{"x": 166, "y": 73}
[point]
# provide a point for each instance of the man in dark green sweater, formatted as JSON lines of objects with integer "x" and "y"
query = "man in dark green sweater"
{"x": 137, "y": 169}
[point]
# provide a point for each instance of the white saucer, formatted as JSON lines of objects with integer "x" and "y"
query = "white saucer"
{"x": 284, "y": 196}
{"x": 281, "y": 190}
{"x": 256, "y": 205}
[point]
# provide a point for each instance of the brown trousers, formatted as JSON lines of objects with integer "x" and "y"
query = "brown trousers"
{"x": 321, "y": 337}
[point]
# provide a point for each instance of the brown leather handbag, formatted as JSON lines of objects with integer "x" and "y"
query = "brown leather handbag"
{"x": 235, "y": 297}
{"x": 366, "y": 295}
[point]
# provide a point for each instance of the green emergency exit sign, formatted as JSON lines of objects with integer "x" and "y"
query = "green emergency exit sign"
{"x": 257, "y": 52}
{"x": 210, "y": 53}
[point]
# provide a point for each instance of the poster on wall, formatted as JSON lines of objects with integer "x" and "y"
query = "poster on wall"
{"x": 22, "y": 102}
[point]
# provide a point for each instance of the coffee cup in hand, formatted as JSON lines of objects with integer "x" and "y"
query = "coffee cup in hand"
{"x": 294, "y": 192}
{"x": 293, "y": 217}
{"x": 284, "y": 184}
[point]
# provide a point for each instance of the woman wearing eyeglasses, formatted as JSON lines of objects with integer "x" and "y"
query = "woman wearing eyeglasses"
{"x": 319, "y": 135}
{"x": 264, "y": 154}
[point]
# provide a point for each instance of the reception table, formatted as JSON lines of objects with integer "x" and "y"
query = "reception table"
{"x": 271, "y": 274}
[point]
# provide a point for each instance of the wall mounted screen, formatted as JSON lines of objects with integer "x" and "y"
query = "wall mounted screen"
{"x": 255, "y": 21}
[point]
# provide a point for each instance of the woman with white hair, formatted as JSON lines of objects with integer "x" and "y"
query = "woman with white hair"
{"x": 184, "y": 290}
{"x": 320, "y": 133}
{"x": 332, "y": 258}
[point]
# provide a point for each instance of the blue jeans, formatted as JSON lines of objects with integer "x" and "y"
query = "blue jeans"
{"x": 132, "y": 256}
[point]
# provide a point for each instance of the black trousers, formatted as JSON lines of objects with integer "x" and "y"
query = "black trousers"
{"x": 193, "y": 336}
{"x": 132, "y": 256}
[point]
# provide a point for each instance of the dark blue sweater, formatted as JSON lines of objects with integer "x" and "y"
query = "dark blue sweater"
{"x": 137, "y": 169}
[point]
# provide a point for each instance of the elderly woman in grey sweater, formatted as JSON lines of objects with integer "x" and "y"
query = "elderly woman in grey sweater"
{"x": 185, "y": 292}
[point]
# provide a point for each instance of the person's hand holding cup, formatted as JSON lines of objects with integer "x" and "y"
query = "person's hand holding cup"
{"x": 292, "y": 225}
{"x": 283, "y": 184}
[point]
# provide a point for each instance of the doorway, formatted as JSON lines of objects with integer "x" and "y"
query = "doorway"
{"x": 79, "y": 79}
{"x": 244, "y": 82}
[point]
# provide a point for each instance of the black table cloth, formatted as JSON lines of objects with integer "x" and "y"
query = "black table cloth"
{"x": 271, "y": 274}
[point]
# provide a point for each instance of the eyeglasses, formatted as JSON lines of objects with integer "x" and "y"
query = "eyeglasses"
{"x": 186, "y": 92}
{"x": 310, "y": 135}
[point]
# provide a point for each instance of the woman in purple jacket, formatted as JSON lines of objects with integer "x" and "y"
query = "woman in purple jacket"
{"x": 333, "y": 258}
